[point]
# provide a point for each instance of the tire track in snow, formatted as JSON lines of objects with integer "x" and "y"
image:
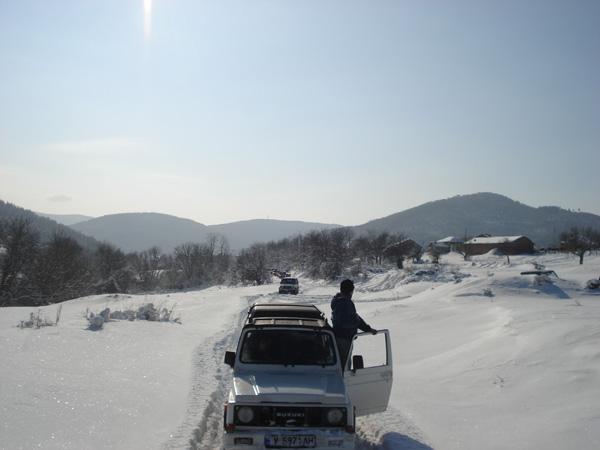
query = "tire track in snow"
{"x": 204, "y": 395}
{"x": 208, "y": 434}
{"x": 201, "y": 430}
{"x": 389, "y": 430}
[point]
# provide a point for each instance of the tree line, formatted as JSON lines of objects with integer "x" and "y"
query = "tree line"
{"x": 34, "y": 273}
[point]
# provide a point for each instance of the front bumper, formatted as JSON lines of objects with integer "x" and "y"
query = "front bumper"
{"x": 255, "y": 439}
{"x": 287, "y": 291}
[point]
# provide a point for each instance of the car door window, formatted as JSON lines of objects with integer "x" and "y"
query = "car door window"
{"x": 370, "y": 386}
{"x": 372, "y": 348}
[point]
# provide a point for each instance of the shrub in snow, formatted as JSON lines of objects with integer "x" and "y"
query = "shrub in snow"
{"x": 96, "y": 322}
{"x": 146, "y": 312}
{"x": 488, "y": 293}
{"x": 105, "y": 314}
{"x": 415, "y": 275}
{"x": 538, "y": 280}
{"x": 593, "y": 284}
{"x": 38, "y": 320}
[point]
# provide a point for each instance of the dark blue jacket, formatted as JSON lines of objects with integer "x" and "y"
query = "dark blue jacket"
{"x": 344, "y": 318}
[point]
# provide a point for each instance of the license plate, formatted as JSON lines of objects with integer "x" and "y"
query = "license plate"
{"x": 291, "y": 441}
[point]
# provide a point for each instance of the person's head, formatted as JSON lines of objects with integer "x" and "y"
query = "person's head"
{"x": 347, "y": 288}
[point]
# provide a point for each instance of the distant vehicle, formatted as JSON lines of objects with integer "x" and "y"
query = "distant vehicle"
{"x": 289, "y": 389}
{"x": 289, "y": 285}
{"x": 279, "y": 273}
{"x": 551, "y": 273}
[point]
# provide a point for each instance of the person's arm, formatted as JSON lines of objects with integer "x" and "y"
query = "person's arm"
{"x": 364, "y": 326}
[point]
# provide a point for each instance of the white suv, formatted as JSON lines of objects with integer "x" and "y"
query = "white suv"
{"x": 289, "y": 389}
{"x": 289, "y": 285}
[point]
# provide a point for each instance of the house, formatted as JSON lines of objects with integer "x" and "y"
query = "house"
{"x": 511, "y": 245}
{"x": 440, "y": 247}
{"x": 411, "y": 248}
{"x": 450, "y": 243}
{"x": 406, "y": 249}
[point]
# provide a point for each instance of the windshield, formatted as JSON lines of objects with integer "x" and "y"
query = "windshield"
{"x": 288, "y": 347}
{"x": 289, "y": 281}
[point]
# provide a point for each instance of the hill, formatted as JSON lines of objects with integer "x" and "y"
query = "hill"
{"x": 471, "y": 215}
{"x": 245, "y": 233}
{"x": 140, "y": 231}
{"x": 66, "y": 219}
{"x": 46, "y": 226}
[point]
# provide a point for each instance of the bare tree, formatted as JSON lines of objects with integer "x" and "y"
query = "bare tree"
{"x": 112, "y": 271}
{"x": 340, "y": 255}
{"x": 461, "y": 249}
{"x": 61, "y": 270}
{"x": 504, "y": 249}
{"x": 361, "y": 248}
{"x": 579, "y": 242}
{"x": 435, "y": 253}
{"x": 220, "y": 258}
{"x": 190, "y": 260}
{"x": 316, "y": 249}
{"x": 149, "y": 265}
{"x": 251, "y": 265}
{"x": 378, "y": 244}
{"x": 19, "y": 242}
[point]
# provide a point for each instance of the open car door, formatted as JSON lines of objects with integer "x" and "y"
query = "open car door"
{"x": 369, "y": 381}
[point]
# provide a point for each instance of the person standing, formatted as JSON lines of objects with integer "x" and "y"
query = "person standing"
{"x": 346, "y": 322}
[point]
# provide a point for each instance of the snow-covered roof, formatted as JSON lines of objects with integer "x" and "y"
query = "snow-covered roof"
{"x": 451, "y": 240}
{"x": 494, "y": 240}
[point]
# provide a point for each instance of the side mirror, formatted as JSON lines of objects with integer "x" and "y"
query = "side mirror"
{"x": 230, "y": 358}
{"x": 357, "y": 362}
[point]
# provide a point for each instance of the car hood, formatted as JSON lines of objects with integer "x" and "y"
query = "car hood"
{"x": 289, "y": 387}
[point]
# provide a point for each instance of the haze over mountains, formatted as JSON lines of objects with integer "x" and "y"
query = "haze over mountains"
{"x": 140, "y": 231}
{"x": 66, "y": 219}
{"x": 460, "y": 216}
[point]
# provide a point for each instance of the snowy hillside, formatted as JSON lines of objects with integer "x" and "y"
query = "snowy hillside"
{"x": 484, "y": 358}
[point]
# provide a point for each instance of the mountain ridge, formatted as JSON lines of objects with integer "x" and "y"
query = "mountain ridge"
{"x": 66, "y": 219}
{"x": 461, "y": 216}
{"x": 469, "y": 215}
{"x": 140, "y": 231}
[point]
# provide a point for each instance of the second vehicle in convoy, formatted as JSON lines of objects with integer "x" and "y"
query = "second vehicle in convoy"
{"x": 289, "y": 285}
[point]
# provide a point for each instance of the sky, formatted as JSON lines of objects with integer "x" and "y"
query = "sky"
{"x": 331, "y": 111}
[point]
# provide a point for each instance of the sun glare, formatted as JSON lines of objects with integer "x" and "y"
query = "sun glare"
{"x": 147, "y": 18}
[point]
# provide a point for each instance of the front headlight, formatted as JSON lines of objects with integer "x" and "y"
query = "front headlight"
{"x": 245, "y": 414}
{"x": 335, "y": 416}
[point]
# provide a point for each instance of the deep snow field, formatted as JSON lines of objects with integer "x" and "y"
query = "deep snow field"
{"x": 484, "y": 358}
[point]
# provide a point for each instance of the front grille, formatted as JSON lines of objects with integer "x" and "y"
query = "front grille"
{"x": 291, "y": 417}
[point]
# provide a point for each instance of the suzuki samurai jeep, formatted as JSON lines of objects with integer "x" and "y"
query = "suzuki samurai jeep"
{"x": 289, "y": 387}
{"x": 289, "y": 285}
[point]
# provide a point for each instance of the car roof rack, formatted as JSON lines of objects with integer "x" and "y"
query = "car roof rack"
{"x": 286, "y": 314}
